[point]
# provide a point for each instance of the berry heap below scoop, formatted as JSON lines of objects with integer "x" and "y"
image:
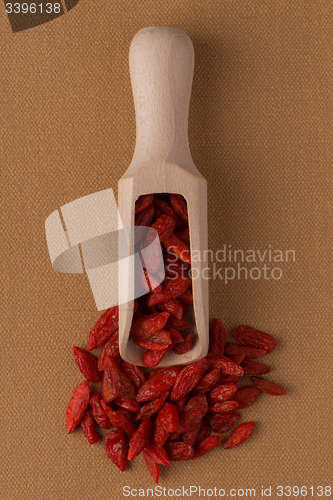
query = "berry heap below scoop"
{"x": 168, "y": 414}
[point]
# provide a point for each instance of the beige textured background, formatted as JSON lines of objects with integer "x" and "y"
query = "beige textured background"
{"x": 261, "y": 133}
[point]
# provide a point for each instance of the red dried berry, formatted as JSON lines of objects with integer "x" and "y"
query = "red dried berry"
{"x": 254, "y": 368}
{"x": 140, "y": 438}
{"x": 192, "y": 413}
{"x": 221, "y": 423}
{"x": 87, "y": 364}
{"x": 110, "y": 348}
{"x": 147, "y": 325}
{"x": 188, "y": 379}
{"x": 268, "y": 387}
{"x": 222, "y": 393}
{"x": 115, "y": 382}
{"x": 168, "y": 416}
{"x": 134, "y": 373}
{"x": 246, "y": 395}
{"x": 217, "y": 338}
{"x": 116, "y": 450}
{"x": 190, "y": 436}
{"x": 239, "y": 435}
{"x": 152, "y": 466}
{"x": 143, "y": 202}
{"x": 104, "y": 328}
{"x": 231, "y": 349}
{"x": 186, "y": 345}
{"x": 151, "y": 358}
{"x": 206, "y": 445}
{"x": 99, "y": 414}
{"x": 226, "y": 365}
{"x": 77, "y": 406}
{"x": 128, "y": 404}
{"x": 254, "y": 338}
{"x": 208, "y": 382}
{"x": 178, "y": 451}
{"x": 151, "y": 408}
{"x": 157, "y": 453}
{"x": 87, "y": 425}
{"x": 225, "y": 407}
{"x": 160, "y": 381}
{"x": 160, "y": 434}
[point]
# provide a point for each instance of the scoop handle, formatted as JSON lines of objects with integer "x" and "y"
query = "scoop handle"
{"x": 161, "y": 63}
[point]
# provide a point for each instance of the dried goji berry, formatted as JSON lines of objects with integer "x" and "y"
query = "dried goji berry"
{"x": 160, "y": 434}
{"x": 87, "y": 425}
{"x": 99, "y": 414}
{"x": 134, "y": 373}
{"x": 206, "y": 445}
{"x": 178, "y": 205}
{"x": 190, "y": 436}
{"x": 254, "y": 338}
{"x": 168, "y": 416}
{"x": 239, "y": 435}
{"x": 192, "y": 413}
{"x": 226, "y": 365}
{"x": 231, "y": 349}
{"x": 115, "y": 382}
{"x": 221, "y": 423}
{"x": 204, "y": 430}
{"x": 175, "y": 245}
{"x": 158, "y": 341}
{"x": 188, "y": 379}
{"x": 178, "y": 324}
{"x": 160, "y": 381}
{"x": 147, "y": 325}
{"x": 171, "y": 289}
{"x": 116, "y": 450}
{"x": 142, "y": 219}
{"x": 152, "y": 407}
{"x": 120, "y": 419}
{"x": 268, "y": 387}
{"x": 224, "y": 407}
{"x": 176, "y": 337}
{"x": 186, "y": 346}
{"x": 127, "y": 403}
{"x": 177, "y": 451}
{"x": 151, "y": 358}
{"x": 143, "y": 202}
{"x": 164, "y": 207}
{"x": 110, "y": 348}
{"x": 140, "y": 438}
{"x": 246, "y": 395}
{"x": 222, "y": 393}
{"x": 164, "y": 226}
{"x": 152, "y": 467}
{"x": 238, "y": 359}
{"x": 228, "y": 379}
{"x": 173, "y": 307}
{"x": 77, "y": 406}
{"x": 217, "y": 338}
{"x": 208, "y": 382}
{"x": 87, "y": 364}
{"x": 157, "y": 453}
{"x": 254, "y": 368}
{"x": 104, "y": 328}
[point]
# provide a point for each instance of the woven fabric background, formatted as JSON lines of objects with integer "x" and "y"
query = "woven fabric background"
{"x": 261, "y": 133}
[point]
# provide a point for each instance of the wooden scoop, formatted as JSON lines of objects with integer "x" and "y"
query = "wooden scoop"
{"x": 161, "y": 63}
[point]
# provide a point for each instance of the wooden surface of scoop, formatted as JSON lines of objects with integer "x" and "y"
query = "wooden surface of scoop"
{"x": 161, "y": 66}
